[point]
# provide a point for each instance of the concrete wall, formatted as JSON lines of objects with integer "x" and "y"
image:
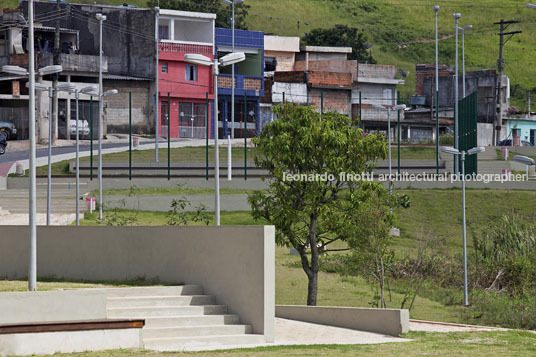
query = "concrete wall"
{"x": 484, "y": 134}
{"x": 236, "y": 264}
{"x": 128, "y": 34}
{"x": 294, "y": 92}
{"x": 116, "y": 111}
{"x": 387, "y": 321}
{"x": 376, "y": 71}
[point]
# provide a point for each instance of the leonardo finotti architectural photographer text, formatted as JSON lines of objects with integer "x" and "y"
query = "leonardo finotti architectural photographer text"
{"x": 403, "y": 177}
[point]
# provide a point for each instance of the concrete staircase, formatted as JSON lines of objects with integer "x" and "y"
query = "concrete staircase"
{"x": 180, "y": 318}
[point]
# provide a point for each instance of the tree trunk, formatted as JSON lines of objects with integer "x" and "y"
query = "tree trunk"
{"x": 312, "y": 289}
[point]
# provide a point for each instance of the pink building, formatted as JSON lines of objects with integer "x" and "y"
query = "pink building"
{"x": 188, "y": 85}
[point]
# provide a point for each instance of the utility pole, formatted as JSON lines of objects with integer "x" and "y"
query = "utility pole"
{"x": 56, "y": 59}
{"x": 500, "y": 64}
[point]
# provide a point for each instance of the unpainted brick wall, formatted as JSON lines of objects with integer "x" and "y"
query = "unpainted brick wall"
{"x": 329, "y": 79}
{"x": 337, "y": 100}
{"x": 335, "y": 65}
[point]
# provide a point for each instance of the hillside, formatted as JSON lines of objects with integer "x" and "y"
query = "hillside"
{"x": 401, "y": 32}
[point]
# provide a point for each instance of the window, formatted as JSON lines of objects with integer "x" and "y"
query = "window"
{"x": 163, "y": 32}
{"x": 191, "y": 72}
{"x": 164, "y": 67}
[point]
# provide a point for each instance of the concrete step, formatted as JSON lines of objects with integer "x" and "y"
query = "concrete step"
{"x": 186, "y": 343}
{"x": 138, "y": 291}
{"x": 150, "y": 311}
{"x": 195, "y": 331}
{"x": 164, "y": 300}
{"x": 192, "y": 320}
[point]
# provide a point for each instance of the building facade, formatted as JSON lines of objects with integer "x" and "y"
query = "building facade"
{"x": 189, "y": 87}
{"x": 249, "y": 83}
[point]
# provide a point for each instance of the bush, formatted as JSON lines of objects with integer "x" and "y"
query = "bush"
{"x": 446, "y": 139}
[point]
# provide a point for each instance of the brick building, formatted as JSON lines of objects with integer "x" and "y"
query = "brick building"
{"x": 249, "y": 82}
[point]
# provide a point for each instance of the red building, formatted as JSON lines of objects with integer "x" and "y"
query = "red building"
{"x": 188, "y": 85}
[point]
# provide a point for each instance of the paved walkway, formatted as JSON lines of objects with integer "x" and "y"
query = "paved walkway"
{"x": 432, "y": 326}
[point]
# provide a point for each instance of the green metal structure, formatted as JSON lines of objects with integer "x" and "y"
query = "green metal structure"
{"x": 468, "y": 131}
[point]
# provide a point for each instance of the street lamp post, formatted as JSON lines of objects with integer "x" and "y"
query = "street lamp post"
{"x": 463, "y": 29}
{"x": 388, "y": 109}
{"x": 86, "y": 90}
{"x": 100, "y": 17}
{"x": 436, "y": 10}
{"x": 233, "y": 3}
{"x": 456, "y": 89}
{"x": 157, "y": 74}
{"x": 456, "y": 152}
{"x": 216, "y": 63}
{"x": 32, "y": 261}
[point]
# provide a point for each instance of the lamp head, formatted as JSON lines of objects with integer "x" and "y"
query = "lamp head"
{"x": 524, "y": 160}
{"x": 15, "y": 70}
{"x": 110, "y": 92}
{"x": 457, "y": 16}
{"x": 232, "y": 58}
{"x": 399, "y": 107}
{"x": 50, "y": 70}
{"x": 198, "y": 59}
{"x": 476, "y": 150}
{"x": 37, "y": 86}
{"x": 468, "y": 27}
{"x": 87, "y": 90}
{"x": 531, "y": 6}
{"x": 66, "y": 87}
{"x": 100, "y": 17}
{"x": 436, "y": 9}
{"x": 450, "y": 150}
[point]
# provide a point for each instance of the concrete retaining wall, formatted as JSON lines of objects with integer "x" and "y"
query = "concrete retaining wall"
{"x": 387, "y": 321}
{"x": 236, "y": 264}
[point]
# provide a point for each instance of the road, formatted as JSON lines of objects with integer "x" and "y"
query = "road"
{"x": 23, "y": 154}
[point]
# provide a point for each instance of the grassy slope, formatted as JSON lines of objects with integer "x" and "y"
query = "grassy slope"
{"x": 394, "y": 27}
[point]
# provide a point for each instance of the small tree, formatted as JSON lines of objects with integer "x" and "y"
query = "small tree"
{"x": 370, "y": 239}
{"x": 310, "y": 215}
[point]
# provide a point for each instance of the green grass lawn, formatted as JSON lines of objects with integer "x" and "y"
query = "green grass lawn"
{"x": 197, "y": 154}
{"x": 172, "y": 191}
{"x": 477, "y": 344}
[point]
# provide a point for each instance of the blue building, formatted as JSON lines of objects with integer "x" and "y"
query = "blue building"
{"x": 249, "y": 82}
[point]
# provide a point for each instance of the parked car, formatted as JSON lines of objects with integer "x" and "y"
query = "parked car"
{"x": 508, "y": 142}
{"x": 83, "y": 129}
{"x": 8, "y": 129}
{"x": 3, "y": 142}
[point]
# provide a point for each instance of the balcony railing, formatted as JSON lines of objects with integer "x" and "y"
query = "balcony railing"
{"x": 185, "y": 48}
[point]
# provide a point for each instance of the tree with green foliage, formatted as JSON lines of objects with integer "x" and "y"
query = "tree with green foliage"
{"x": 342, "y": 36}
{"x": 223, "y": 12}
{"x": 313, "y": 211}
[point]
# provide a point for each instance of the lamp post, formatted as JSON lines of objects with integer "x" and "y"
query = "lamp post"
{"x": 86, "y": 90}
{"x": 216, "y": 63}
{"x": 233, "y": 3}
{"x": 463, "y": 29}
{"x": 524, "y": 159}
{"x": 157, "y": 73}
{"x": 388, "y": 109}
{"x": 32, "y": 261}
{"x": 456, "y": 152}
{"x": 51, "y": 89}
{"x": 100, "y": 17}
{"x": 436, "y": 11}
{"x": 456, "y": 85}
